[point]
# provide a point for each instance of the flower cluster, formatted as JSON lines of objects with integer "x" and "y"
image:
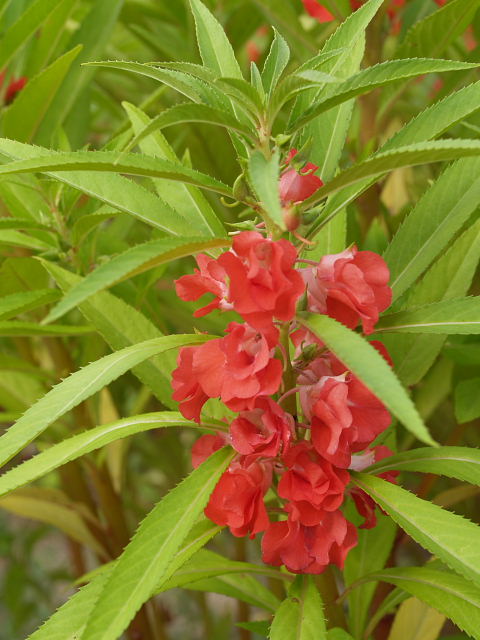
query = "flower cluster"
{"x": 303, "y": 419}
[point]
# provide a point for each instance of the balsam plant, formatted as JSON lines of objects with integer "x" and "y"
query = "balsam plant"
{"x": 320, "y": 163}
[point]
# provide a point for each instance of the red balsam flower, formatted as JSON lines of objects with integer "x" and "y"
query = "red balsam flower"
{"x": 351, "y": 287}
{"x": 309, "y": 549}
{"x": 298, "y": 186}
{"x": 237, "y": 500}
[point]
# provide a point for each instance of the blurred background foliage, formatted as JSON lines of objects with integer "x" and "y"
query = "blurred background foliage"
{"x": 47, "y": 536}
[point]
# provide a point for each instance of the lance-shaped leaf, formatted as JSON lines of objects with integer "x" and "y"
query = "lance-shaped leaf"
{"x": 145, "y": 561}
{"x": 70, "y": 620}
{"x": 203, "y": 113}
{"x": 91, "y": 440}
{"x": 449, "y": 593}
{"x": 453, "y": 539}
{"x": 81, "y": 385}
{"x": 275, "y": 63}
{"x": 130, "y": 263}
{"x": 372, "y": 369}
{"x": 26, "y": 329}
{"x": 462, "y": 463}
{"x": 109, "y": 161}
{"x": 244, "y": 588}
{"x": 16, "y": 303}
{"x": 382, "y": 163}
{"x": 429, "y": 124}
{"x": 377, "y": 76}
{"x": 467, "y": 400}
{"x": 264, "y": 176}
{"x": 461, "y": 316}
{"x": 300, "y": 616}
{"x": 215, "y": 49}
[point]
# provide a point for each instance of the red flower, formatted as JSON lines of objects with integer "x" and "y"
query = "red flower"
{"x": 309, "y": 549}
{"x": 311, "y": 484}
{"x": 209, "y": 278}
{"x": 186, "y": 389}
{"x": 236, "y": 368}
{"x": 263, "y": 283}
{"x": 237, "y": 500}
{"x": 205, "y": 446}
{"x": 13, "y": 88}
{"x": 253, "y": 52}
{"x": 298, "y": 186}
{"x": 317, "y": 11}
{"x": 351, "y": 286}
{"x": 264, "y": 431}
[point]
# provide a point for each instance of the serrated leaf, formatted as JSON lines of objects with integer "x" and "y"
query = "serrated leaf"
{"x": 193, "y": 113}
{"x": 83, "y": 443}
{"x": 23, "y": 118}
{"x": 453, "y": 595}
{"x": 437, "y": 216}
{"x": 369, "y": 79}
{"x": 240, "y": 587}
{"x": 215, "y": 49}
{"x": 188, "y": 200}
{"x": 17, "y": 303}
{"x": 381, "y": 163}
{"x": 264, "y": 175}
{"x": 462, "y": 463}
{"x": 121, "y": 326}
{"x": 455, "y": 540}
{"x": 81, "y": 385}
{"x": 275, "y": 63}
{"x": 429, "y": 124}
{"x": 70, "y": 620}
{"x": 458, "y": 316}
{"x": 145, "y": 560}
{"x": 135, "y": 260}
{"x": 300, "y": 616}
{"x": 21, "y": 30}
{"x": 372, "y": 369}
{"x": 19, "y": 239}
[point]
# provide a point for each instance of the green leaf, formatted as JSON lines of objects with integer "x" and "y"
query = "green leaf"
{"x": 26, "y": 25}
{"x": 437, "y": 216}
{"x": 300, "y": 616}
{"x": 144, "y": 563}
{"x": 462, "y": 463}
{"x": 17, "y": 303}
{"x": 467, "y": 400}
{"x": 135, "y": 260}
{"x": 429, "y": 124}
{"x": 461, "y": 316}
{"x": 450, "y": 277}
{"x": 264, "y": 175}
{"x": 81, "y": 385}
{"x": 369, "y": 79}
{"x": 261, "y": 627}
{"x": 275, "y": 63}
{"x": 381, "y": 163}
{"x": 240, "y": 587}
{"x": 338, "y": 634}
{"x": 93, "y": 33}
{"x": 181, "y": 113}
{"x": 188, "y": 200}
{"x": 121, "y": 326}
{"x": 449, "y": 593}
{"x": 372, "y": 369}
{"x": 455, "y": 540}
{"x": 70, "y": 620}
{"x": 215, "y": 49}
{"x": 19, "y": 239}
{"x": 83, "y": 443}
{"x": 23, "y": 118}
{"x": 20, "y": 223}
{"x": 26, "y": 329}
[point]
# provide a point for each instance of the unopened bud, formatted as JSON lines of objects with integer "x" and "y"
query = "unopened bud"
{"x": 240, "y": 188}
{"x": 291, "y": 218}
